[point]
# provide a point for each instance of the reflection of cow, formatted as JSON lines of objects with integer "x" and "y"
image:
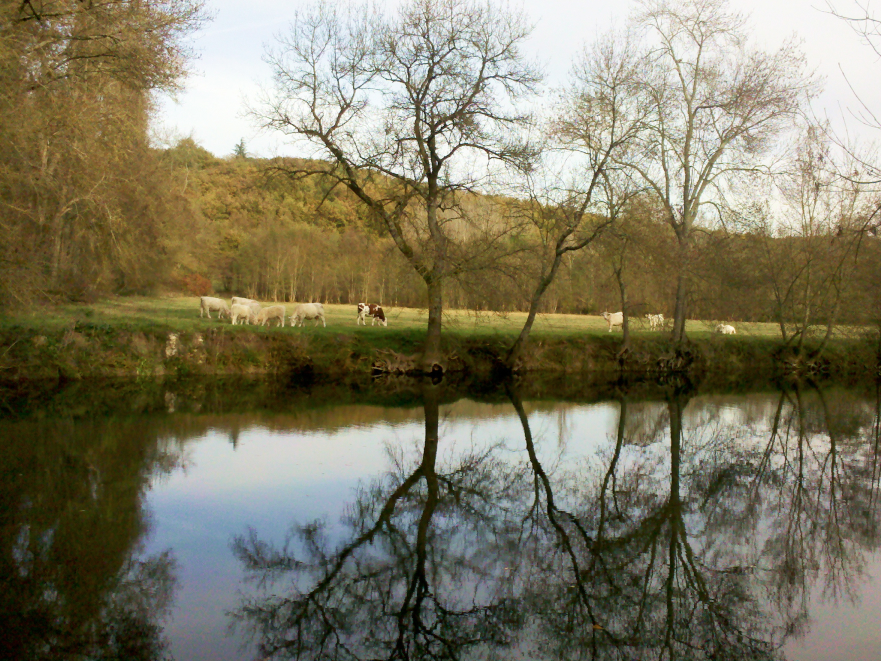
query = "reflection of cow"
{"x": 370, "y": 310}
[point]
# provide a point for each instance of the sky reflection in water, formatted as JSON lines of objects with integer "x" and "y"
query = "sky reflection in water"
{"x": 452, "y": 538}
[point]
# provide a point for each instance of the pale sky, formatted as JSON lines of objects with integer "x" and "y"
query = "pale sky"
{"x": 230, "y": 68}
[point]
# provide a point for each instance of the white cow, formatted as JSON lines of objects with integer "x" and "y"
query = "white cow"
{"x": 306, "y": 311}
{"x": 250, "y": 302}
{"x": 614, "y": 319}
{"x": 271, "y": 312}
{"x": 726, "y": 329}
{"x": 243, "y": 313}
{"x": 656, "y": 321}
{"x": 208, "y": 303}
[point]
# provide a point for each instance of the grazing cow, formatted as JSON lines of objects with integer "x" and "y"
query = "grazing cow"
{"x": 726, "y": 329}
{"x": 656, "y": 321}
{"x": 208, "y": 303}
{"x": 250, "y": 302}
{"x": 242, "y": 314}
{"x": 306, "y": 311}
{"x": 614, "y": 319}
{"x": 371, "y": 310}
{"x": 271, "y": 312}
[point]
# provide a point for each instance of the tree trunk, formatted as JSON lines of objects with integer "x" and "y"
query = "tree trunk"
{"x": 679, "y": 310}
{"x": 431, "y": 352}
{"x": 830, "y": 326}
{"x": 515, "y": 353}
{"x": 625, "y": 315}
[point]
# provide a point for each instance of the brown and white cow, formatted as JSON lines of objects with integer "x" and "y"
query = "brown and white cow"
{"x": 370, "y": 310}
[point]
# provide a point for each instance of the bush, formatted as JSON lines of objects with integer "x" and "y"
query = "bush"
{"x": 194, "y": 283}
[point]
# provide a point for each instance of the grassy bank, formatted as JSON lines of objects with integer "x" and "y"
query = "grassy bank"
{"x": 149, "y": 337}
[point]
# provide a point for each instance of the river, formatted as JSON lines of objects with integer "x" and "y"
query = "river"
{"x": 420, "y": 521}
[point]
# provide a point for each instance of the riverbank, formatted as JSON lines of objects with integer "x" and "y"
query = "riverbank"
{"x": 88, "y": 350}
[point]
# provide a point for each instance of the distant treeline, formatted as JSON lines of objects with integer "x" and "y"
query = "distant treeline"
{"x": 251, "y": 232}
{"x": 202, "y": 224}
{"x": 90, "y": 208}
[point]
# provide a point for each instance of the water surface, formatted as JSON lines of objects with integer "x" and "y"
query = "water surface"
{"x": 673, "y": 524}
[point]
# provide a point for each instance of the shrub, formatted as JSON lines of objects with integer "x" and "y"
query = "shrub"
{"x": 195, "y": 284}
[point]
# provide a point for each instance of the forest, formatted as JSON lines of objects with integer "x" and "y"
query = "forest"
{"x": 680, "y": 170}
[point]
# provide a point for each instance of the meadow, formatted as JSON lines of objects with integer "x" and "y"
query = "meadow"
{"x": 181, "y": 313}
{"x": 132, "y": 336}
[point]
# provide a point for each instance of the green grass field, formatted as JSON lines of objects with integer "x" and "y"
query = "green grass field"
{"x": 180, "y": 313}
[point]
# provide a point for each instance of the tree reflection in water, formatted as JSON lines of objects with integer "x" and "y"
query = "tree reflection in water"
{"x": 420, "y": 577}
{"x": 71, "y": 525}
{"x": 688, "y": 536}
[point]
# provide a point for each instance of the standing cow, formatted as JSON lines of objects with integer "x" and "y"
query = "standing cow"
{"x": 614, "y": 319}
{"x": 370, "y": 310}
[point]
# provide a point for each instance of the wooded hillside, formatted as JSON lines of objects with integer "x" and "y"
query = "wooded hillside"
{"x": 252, "y": 231}
{"x": 90, "y": 208}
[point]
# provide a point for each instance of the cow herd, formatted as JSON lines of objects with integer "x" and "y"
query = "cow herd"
{"x": 248, "y": 311}
{"x": 656, "y": 322}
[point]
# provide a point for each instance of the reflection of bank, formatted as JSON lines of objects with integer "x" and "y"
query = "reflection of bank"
{"x": 71, "y": 524}
{"x": 660, "y": 548}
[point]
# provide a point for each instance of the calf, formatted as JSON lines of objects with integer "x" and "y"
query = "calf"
{"x": 371, "y": 310}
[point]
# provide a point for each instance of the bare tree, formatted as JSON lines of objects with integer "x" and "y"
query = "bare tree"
{"x": 807, "y": 243}
{"x": 716, "y": 107}
{"x": 596, "y": 121}
{"x": 411, "y": 112}
{"x": 862, "y": 20}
